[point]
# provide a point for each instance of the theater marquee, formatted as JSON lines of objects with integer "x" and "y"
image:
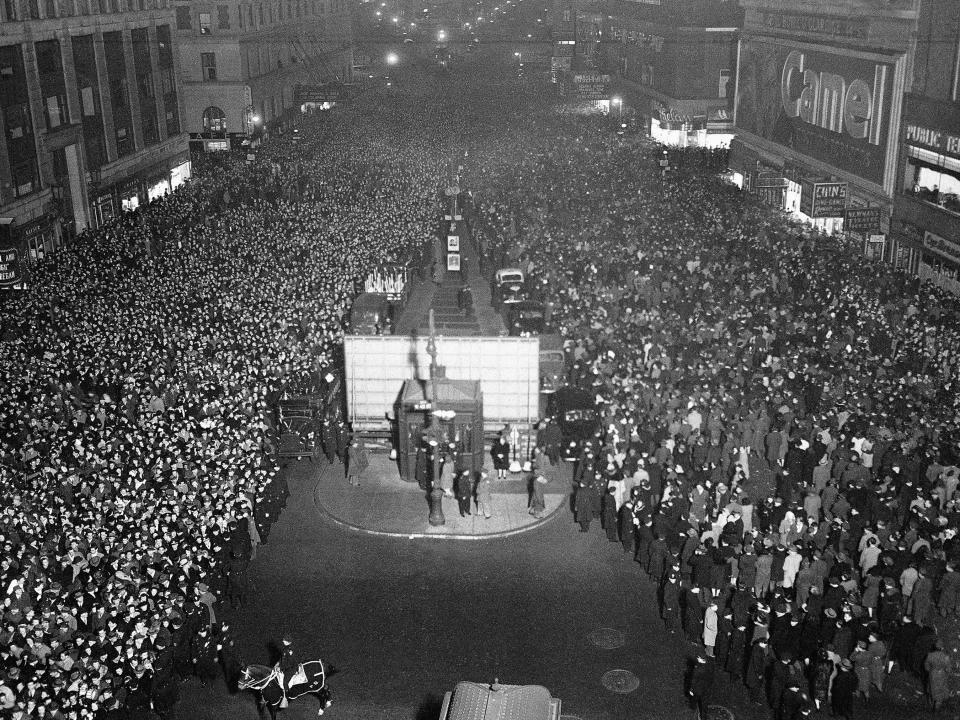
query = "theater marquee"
{"x": 828, "y": 104}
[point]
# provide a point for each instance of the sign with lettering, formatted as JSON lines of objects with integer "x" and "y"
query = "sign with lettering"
{"x": 862, "y": 220}
{"x": 931, "y": 139}
{"x": 316, "y": 93}
{"x": 772, "y": 196}
{"x": 831, "y": 26}
{"x": 823, "y": 200}
{"x": 820, "y": 102}
{"x": 591, "y": 86}
{"x": 9, "y": 267}
{"x": 941, "y": 246}
{"x": 638, "y": 38}
{"x": 773, "y": 179}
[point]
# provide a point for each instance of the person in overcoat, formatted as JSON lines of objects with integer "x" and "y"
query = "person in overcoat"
{"x": 500, "y": 452}
{"x": 701, "y": 683}
{"x": 938, "y": 667}
{"x": 538, "y": 503}
{"x": 485, "y": 495}
{"x": 842, "y": 691}
{"x": 608, "y": 514}
{"x": 670, "y": 603}
{"x": 464, "y": 491}
{"x": 583, "y": 505}
{"x": 756, "y": 676}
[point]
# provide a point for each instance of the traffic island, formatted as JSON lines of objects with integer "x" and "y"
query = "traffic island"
{"x": 386, "y": 505}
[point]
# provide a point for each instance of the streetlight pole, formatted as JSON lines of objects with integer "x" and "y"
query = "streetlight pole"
{"x": 433, "y": 432}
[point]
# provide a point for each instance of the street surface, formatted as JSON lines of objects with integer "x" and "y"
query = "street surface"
{"x": 405, "y": 620}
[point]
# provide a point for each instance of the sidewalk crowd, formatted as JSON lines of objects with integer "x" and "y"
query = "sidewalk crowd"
{"x": 779, "y": 435}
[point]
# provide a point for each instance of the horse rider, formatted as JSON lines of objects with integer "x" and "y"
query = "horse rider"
{"x": 286, "y": 663}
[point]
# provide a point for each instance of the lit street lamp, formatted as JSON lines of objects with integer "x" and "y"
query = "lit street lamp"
{"x": 392, "y": 59}
{"x": 619, "y": 104}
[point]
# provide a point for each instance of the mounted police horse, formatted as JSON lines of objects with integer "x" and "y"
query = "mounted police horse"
{"x": 273, "y": 686}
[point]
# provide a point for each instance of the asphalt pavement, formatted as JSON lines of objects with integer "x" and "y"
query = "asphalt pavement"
{"x": 407, "y": 619}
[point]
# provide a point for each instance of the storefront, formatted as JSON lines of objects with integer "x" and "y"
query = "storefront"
{"x": 180, "y": 174}
{"x": 690, "y": 125}
{"x": 39, "y": 238}
{"x": 150, "y": 184}
{"x": 927, "y": 209}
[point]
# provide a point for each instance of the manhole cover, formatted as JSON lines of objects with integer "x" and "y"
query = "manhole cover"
{"x": 718, "y": 712}
{"x": 620, "y": 681}
{"x": 607, "y": 638}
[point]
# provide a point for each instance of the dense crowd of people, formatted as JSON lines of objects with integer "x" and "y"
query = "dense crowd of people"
{"x": 778, "y": 445}
{"x": 778, "y": 435}
{"x": 139, "y": 375}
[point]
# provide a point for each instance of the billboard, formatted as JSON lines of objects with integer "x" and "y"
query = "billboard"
{"x": 830, "y": 105}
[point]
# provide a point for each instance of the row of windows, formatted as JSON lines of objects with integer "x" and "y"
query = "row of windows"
{"x": 14, "y": 10}
{"x": 20, "y": 121}
{"x": 260, "y": 59}
{"x": 252, "y": 16}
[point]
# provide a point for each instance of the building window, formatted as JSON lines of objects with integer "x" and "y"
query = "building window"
{"x": 223, "y": 17}
{"x": 933, "y": 178}
{"x": 208, "y": 66}
{"x": 24, "y": 177}
{"x": 10, "y": 10}
{"x": 16, "y": 118}
{"x": 184, "y": 19}
{"x": 261, "y": 15}
{"x": 214, "y": 120}
{"x": 723, "y": 89}
{"x": 205, "y": 26}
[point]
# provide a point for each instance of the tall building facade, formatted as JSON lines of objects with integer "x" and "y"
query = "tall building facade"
{"x": 674, "y": 63}
{"x": 249, "y": 63}
{"x": 925, "y": 230}
{"x": 90, "y": 119}
{"x": 818, "y": 109}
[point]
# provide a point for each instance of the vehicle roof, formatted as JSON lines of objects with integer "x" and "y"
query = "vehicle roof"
{"x": 476, "y": 701}
{"x": 372, "y": 301}
{"x": 528, "y": 305}
{"x": 510, "y": 271}
{"x": 575, "y": 397}
{"x": 550, "y": 341}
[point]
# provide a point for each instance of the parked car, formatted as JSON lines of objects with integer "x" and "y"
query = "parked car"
{"x": 553, "y": 363}
{"x": 508, "y": 286}
{"x": 577, "y": 416}
{"x": 525, "y": 318}
{"x": 371, "y": 314}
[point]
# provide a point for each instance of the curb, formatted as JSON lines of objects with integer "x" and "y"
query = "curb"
{"x": 426, "y": 536}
